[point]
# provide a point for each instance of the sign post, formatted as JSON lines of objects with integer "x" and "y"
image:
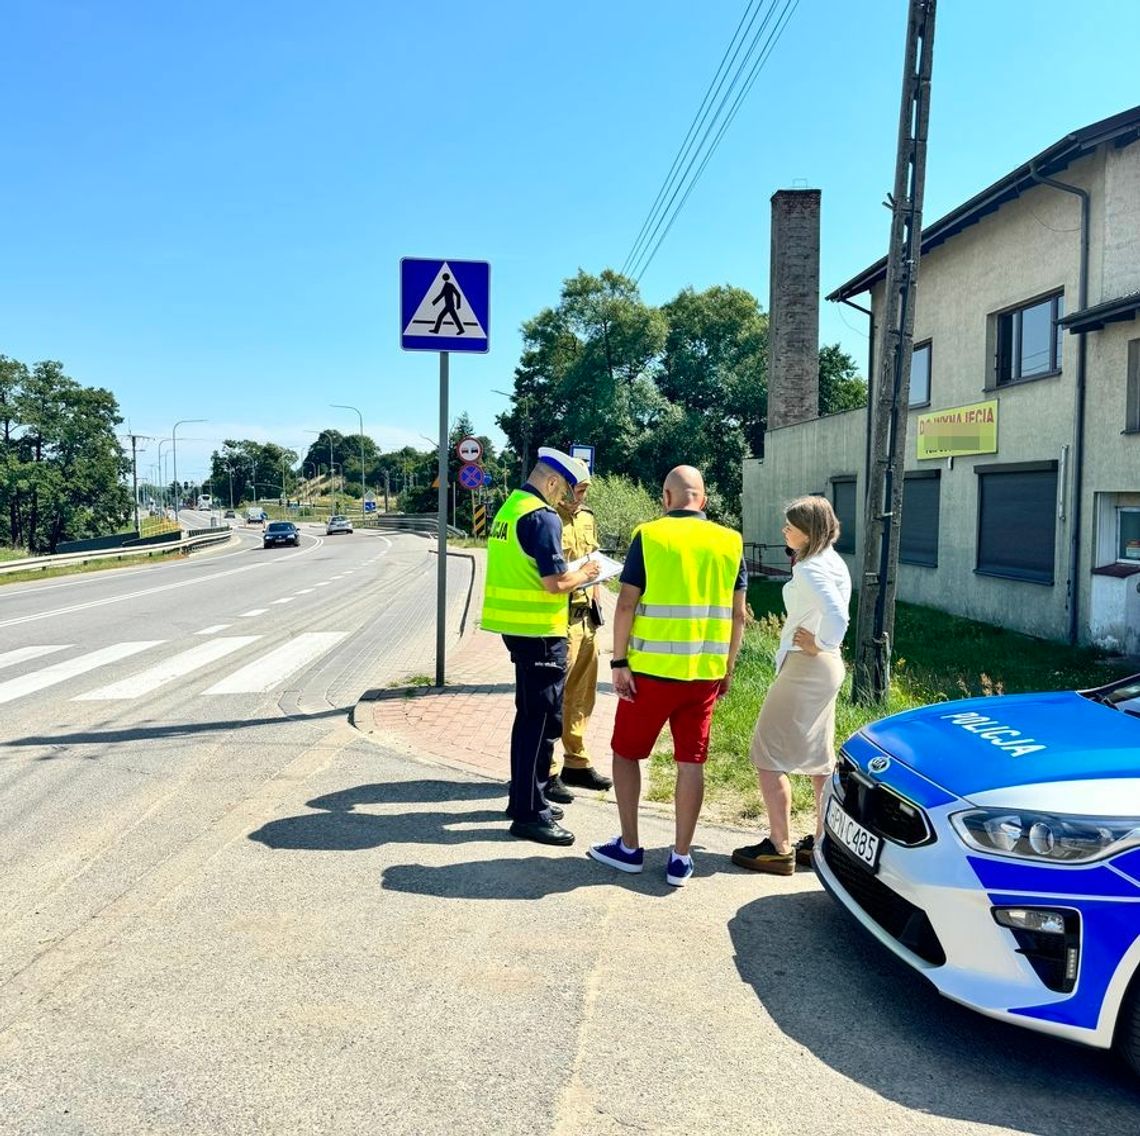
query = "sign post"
{"x": 445, "y": 306}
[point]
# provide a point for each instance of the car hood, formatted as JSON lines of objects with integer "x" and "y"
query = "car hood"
{"x": 984, "y": 744}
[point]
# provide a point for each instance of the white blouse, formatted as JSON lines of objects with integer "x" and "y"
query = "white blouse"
{"x": 817, "y": 597}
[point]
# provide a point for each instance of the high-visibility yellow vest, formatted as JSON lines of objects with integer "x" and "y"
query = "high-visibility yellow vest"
{"x": 682, "y": 627}
{"x": 514, "y": 600}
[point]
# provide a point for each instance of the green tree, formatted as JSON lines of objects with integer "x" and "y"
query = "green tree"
{"x": 64, "y": 469}
{"x": 840, "y": 386}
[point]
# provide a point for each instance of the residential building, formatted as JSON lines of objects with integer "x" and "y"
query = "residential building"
{"x": 1022, "y": 474}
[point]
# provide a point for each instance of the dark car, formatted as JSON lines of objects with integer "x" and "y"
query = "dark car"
{"x": 281, "y": 532}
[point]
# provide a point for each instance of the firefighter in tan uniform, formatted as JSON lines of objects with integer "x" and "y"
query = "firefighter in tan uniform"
{"x": 579, "y": 537}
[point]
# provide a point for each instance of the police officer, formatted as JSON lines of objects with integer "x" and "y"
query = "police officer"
{"x": 579, "y": 538}
{"x": 525, "y": 600}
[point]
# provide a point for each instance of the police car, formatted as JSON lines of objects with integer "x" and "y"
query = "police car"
{"x": 994, "y": 845}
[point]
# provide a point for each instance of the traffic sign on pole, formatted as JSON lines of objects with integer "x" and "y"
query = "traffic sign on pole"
{"x": 470, "y": 449}
{"x": 471, "y": 476}
{"x": 583, "y": 453}
{"x": 445, "y": 305}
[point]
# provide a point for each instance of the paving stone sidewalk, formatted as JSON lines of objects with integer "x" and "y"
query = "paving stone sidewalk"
{"x": 467, "y": 724}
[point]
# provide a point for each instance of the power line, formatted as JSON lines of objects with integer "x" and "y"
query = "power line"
{"x": 741, "y": 83}
{"x": 695, "y": 125}
{"x": 769, "y": 46}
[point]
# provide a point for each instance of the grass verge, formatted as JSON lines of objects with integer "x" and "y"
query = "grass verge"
{"x": 938, "y": 657}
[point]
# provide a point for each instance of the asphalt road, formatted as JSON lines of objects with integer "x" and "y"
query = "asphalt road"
{"x": 224, "y": 911}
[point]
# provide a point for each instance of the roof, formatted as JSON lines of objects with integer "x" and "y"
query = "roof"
{"x": 1121, "y": 129}
{"x": 1095, "y": 318}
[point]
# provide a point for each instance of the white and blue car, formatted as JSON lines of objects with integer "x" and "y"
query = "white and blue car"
{"x": 994, "y": 845}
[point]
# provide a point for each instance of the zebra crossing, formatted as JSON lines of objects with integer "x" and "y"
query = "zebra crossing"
{"x": 260, "y": 675}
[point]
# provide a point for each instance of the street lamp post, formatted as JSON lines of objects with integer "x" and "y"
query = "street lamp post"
{"x": 174, "y": 455}
{"x": 345, "y": 406}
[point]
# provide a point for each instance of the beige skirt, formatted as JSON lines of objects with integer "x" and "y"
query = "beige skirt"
{"x": 795, "y": 732}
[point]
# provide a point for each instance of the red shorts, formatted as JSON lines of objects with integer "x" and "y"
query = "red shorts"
{"x": 686, "y": 706}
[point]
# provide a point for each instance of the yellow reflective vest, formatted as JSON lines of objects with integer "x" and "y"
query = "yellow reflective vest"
{"x": 514, "y": 600}
{"x": 682, "y": 627}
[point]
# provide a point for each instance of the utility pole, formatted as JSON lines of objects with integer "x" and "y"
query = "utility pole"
{"x": 135, "y": 439}
{"x": 882, "y": 506}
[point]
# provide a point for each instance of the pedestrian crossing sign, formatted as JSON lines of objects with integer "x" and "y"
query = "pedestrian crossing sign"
{"x": 445, "y": 305}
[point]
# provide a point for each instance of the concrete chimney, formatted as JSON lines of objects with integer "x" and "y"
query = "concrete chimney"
{"x": 793, "y": 302}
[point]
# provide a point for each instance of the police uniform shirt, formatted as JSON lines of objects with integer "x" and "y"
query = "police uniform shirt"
{"x": 540, "y": 537}
{"x": 579, "y": 538}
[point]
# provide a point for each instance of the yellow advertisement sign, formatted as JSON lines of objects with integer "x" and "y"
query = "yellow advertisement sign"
{"x": 958, "y": 431}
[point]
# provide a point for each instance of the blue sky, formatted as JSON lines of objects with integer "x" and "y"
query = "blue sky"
{"x": 206, "y": 203}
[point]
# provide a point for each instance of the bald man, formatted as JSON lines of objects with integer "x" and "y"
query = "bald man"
{"x": 677, "y": 631}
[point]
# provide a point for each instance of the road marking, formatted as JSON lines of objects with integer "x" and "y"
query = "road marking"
{"x": 340, "y": 577}
{"x": 251, "y": 614}
{"x": 322, "y": 584}
{"x": 20, "y": 654}
{"x": 168, "y": 670}
{"x": 265, "y": 673}
{"x": 212, "y": 630}
{"x": 61, "y": 672}
{"x": 285, "y": 599}
{"x": 304, "y": 591}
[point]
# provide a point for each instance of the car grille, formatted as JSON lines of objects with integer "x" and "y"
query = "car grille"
{"x": 880, "y": 809}
{"x": 899, "y": 917}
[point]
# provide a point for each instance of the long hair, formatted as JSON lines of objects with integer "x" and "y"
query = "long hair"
{"x": 816, "y": 517}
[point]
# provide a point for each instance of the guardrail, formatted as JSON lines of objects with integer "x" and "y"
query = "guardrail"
{"x": 201, "y": 538}
{"x": 425, "y": 523}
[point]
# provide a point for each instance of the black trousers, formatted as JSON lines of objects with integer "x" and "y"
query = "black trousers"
{"x": 540, "y": 678}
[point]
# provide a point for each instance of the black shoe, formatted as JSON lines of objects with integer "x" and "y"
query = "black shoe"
{"x": 587, "y": 778}
{"x": 555, "y": 811}
{"x": 556, "y": 791}
{"x": 763, "y": 857}
{"x": 542, "y": 832}
{"x": 805, "y": 850}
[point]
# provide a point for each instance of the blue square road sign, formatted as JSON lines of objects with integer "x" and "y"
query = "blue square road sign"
{"x": 445, "y": 305}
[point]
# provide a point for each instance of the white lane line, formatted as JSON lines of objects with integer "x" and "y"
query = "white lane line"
{"x": 22, "y": 654}
{"x": 264, "y": 674}
{"x": 340, "y": 577}
{"x": 285, "y": 599}
{"x": 168, "y": 670}
{"x": 251, "y": 614}
{"x": 322, "y": 584}
{"x": 212, "y": 630}
{"x": 304, "y": 591}
{"x": 317, "y": 542}
{"x": 61, "y": 672}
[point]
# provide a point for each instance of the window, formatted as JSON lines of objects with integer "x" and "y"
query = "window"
{"x": 1128, "y": 535}
{"x": 1132, "y": 399}
{"x": 1029, "y": 341}
{"x": 1017, "y": 516}
{"x": 918, "y": 539}
{"x": 843, "y": 500}
{"x": 920, "y": 375}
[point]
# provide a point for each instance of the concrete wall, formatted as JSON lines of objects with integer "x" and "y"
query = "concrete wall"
{"x": 1028, "y": 248}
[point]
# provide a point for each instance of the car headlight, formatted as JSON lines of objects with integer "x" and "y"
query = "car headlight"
{"x": 1042, "y": 836}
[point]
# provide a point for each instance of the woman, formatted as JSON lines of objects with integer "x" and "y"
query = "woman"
{"x": 795, "y": 732}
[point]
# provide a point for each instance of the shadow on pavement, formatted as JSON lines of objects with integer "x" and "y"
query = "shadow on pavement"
{"x": 386, "y": 694}
{"x": 336, "y": 827}
{"x": 530, "y": 877}
{"x": 166, "y": 730}
{"x": 847, "y": 1000}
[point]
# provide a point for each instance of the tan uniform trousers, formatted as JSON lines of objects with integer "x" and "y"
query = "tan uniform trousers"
{"x": 578, "y": 700}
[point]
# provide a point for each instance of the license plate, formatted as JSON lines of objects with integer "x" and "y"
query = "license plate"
{"x": 864, "y": 845}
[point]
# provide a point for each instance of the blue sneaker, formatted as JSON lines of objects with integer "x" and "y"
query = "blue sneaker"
{"x": 616, "y": 856}
{"x": 678, "y": 871}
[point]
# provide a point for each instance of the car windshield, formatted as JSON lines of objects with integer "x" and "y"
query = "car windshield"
{"x": 337, "y": 520}
{"x": 1123, "y": 696}
{"x": 280, "y": 526}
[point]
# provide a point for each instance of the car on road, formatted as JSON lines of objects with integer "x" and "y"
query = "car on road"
{"x": 993, "y": 844}
{"x": 280, "y": 532}
{"x": 229, "y": 514}
{"x": 338, "y": 524}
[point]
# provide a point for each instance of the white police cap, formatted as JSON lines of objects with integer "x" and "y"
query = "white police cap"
{"x": 573, "y": 469}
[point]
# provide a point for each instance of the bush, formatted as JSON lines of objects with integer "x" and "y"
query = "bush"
{"x": 620, "y": 505}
